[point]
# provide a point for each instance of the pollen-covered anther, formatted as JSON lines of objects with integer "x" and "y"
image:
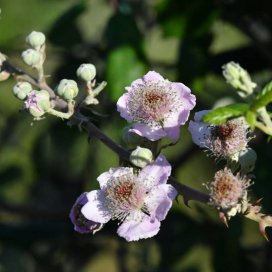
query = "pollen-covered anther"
{"x": 153, "y": 101}
{"x": 227, "y": 190}
{"x": 228, "y": 139}
{"x": 124, "y": 195}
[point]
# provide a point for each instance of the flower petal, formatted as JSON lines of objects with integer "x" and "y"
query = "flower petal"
{"x": 122, "y": 107}
{"x": 199, "y": 130}
{"x": 95, "y": 209}
{"x": 150, "y": 133}
{"x": 152, "y": 76}
{"x": 105, "y": 177}
{"x": 135, "y": 230}
{"x": 156, "y": 173}
{"x": 159, "y": 201}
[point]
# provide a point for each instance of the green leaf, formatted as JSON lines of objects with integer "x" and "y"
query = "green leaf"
{"x": 263, "y": 98}
{"x": 251, "y": 118}
{"x": 222, "y": 114}
{"x": 123, "y": 67}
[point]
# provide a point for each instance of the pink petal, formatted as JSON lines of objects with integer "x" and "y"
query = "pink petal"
{"x": 156, "y": 172}
{"x": 152, "y": 76}
{"x": 188, "y": 99}
{"x": 122, "y": 107}
{"x": 133, "y": 230}
{"x": 146, "y": 131}
{"x": 159, "y": 201}
{"x": 95, "y": 209}
{"x": 200, "y": 131}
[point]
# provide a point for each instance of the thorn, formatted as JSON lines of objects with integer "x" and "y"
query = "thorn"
{"x": 223, "y": 219}
{"x": 262, "y": 227}
{"x": 258, "y": 201}
{"x": 186, "y": 202}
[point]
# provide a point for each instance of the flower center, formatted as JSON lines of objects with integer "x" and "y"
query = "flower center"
{"x": 152, "y": 101}
{"x": 124, "y": 195}
{"x": 227, "y": 189}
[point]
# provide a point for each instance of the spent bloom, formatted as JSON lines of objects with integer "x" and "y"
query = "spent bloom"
{"x": 228, "y": 192}
{"x": 156, "y": 106}
{"x": 225, "y": 140}
{"x": 138, "y": 200}
{"x": 82, "y": 224}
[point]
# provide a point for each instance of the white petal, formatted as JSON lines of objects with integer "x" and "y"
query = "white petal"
{"x": 95, "y": 209}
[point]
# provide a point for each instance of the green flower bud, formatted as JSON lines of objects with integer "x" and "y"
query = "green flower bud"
{"x": 31, "y": 57}
{"x": 22, "y": 89}
{"x": 35, "y": 39}
{"x": 130, "y": 137}
{"x": 141, "y": 157}
{"x": 68, "y": 89}
{"x": 247, "y": 159}
{"x": 239, "y": 78}
{"x": 38, "y": 103}
{"x": 86, "y": 71}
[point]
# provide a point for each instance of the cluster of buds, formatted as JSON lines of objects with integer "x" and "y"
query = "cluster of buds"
{"x": 35, "y": 56}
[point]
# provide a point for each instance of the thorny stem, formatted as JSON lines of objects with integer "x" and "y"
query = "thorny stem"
{"x": 93, "y": 131}
{"x": 187, "y": 192}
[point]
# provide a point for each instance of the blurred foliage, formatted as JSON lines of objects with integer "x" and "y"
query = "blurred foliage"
{"x": 44, "y": 167}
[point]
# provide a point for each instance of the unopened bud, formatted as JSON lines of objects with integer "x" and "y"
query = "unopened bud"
{"x": 31, "y": 57}
{"x": 35, "y": 39}
{"x": 239, "y": 78}
{"x": 247, "y": 159}
{"x": 141, "y": 157}
{"x": 86, "y": 71}
{"x": 4, "y": 75}
{"x": 68, "y": 89}
{"x": 21, "y": 90}
{"x": 38, "y": 103}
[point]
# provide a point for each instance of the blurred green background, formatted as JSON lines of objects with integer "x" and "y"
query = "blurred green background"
{"x": 44, "y": 167}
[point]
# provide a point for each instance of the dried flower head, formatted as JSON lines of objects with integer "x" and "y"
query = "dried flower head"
{"x": 156, "y": 106}
{"x": 227, "y": 191}
{"x": 225, "y": 140}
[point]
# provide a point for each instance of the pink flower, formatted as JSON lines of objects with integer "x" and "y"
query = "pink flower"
{"x": 156, "y": 106}
{"x": 224, "y": 141}
{"x": 140, "y": 201}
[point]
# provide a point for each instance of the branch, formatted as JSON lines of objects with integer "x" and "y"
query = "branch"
{"x": 187, "y": 192}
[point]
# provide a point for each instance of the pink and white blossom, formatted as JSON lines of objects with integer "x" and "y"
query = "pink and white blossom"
{"x": 156, "y": 106}
{"x": 224, "y": 141}
{"x": 138, "y": 200}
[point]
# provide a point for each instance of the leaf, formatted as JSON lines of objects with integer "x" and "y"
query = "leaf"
{"x": 263, "y": 98}
{"x": 123, "y": 67}
{"x": 222, "y": 114}
{"x": 251, "y": 118}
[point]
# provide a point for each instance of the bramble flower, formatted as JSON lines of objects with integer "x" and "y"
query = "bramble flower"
{"x": 156, "y": 106}
{"x": 82, "y": 224}
{"x": 37, "y": 102}
{"x": 228, "y": 192}
{"x": 139, "y": 200}
{"x": 225, "y": 140}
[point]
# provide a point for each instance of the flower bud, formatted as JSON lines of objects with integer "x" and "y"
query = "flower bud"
{"x": 68, "y": 89}
{"x": 35, "y": 39}
{"x": 31, "y": 57}
{"x": 82, "y": 224}
{"x": 22, "y": 89}
{"x": 38, "y": 102}
{"x": 247, "y": 159}
{"x": 239, "y": 78}
{"x": 86, "y": 71}
{"x": 130, "y": 137}
{"x": 4, "y": 75}
{"x": 140, "y": 157}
